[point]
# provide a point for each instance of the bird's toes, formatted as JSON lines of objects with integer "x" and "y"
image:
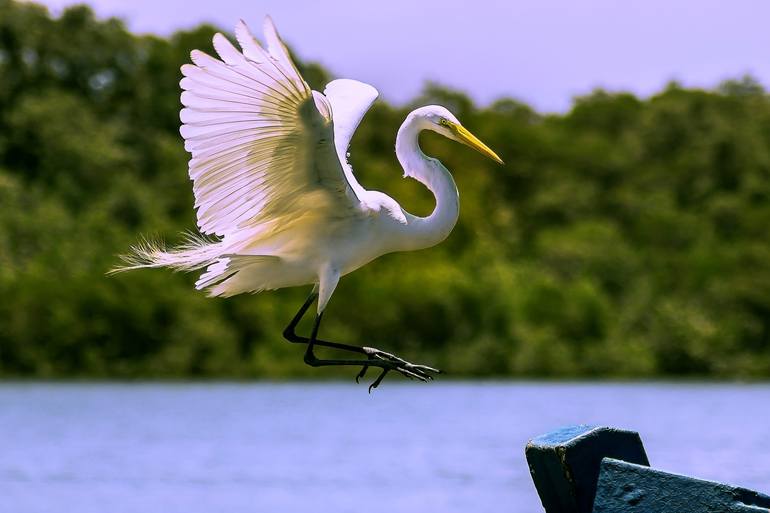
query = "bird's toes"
{"x": 378, "y": 380}
{"x": 388, "y": 361}
{"x": 384, "y": 356}
{"x": 414, "y": 374}
{"x": 425, "y": 368}
{"x": 362, "y": 373}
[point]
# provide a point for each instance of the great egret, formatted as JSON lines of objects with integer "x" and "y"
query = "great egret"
{"x": 272, "y": 183}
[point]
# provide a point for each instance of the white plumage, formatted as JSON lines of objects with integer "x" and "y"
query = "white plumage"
{"x": 273, "y": 189}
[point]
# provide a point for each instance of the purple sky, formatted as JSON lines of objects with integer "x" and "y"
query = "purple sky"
{"x": 543, "y": 52}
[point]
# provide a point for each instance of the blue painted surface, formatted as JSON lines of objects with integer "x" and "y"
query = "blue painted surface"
{"x": 564, "y": 463}
{"x": 627, "y": 488}
{"x": 561, "y": 435}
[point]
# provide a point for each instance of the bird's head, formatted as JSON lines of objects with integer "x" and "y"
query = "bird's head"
{"x": 441, "y": 121}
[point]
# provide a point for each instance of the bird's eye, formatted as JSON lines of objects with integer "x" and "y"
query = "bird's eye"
{"x": 443, "y": 121}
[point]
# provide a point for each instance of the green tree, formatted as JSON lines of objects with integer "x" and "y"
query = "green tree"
{"x": 626, "y": 237}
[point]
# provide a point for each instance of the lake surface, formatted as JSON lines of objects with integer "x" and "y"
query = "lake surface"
{"x": 443, "y": 447}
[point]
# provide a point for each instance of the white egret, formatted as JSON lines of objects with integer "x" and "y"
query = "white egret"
{"x": 273, "y": 185}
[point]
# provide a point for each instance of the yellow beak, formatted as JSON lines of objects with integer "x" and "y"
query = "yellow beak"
{"x": 468, "y": 139}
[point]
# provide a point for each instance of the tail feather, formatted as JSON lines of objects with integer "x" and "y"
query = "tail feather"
{"x": 194, "y": 253}
{"x": 226, "y": 274}
{"x": 236, "y": 274}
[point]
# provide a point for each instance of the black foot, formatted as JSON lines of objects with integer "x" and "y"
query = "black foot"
{"x": 390, "y": 362}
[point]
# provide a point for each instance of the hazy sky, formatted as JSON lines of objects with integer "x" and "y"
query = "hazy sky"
{"x": 540, "y": 51}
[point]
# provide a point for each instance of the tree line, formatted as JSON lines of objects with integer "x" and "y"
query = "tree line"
{"x": 627, "y": 237}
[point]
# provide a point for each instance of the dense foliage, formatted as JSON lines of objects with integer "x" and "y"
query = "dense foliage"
{"x": 627, "y": 237}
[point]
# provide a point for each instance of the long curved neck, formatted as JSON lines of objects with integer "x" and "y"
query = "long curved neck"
{"x": 423, "y": 232}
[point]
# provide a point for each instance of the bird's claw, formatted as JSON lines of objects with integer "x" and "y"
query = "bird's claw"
{"x": 390, "y": 362}
{"x": 378, "y": 380}
{"x": 362, "y": 374}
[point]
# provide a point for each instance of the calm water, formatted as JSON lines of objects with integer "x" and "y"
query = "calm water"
{"x": 443, "y": 447}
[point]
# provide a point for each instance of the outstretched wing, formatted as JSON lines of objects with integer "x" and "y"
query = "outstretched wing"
{"x": 261, "y": 141}
{"x": 350, "y": 100}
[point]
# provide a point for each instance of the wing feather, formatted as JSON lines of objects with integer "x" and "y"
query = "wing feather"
{"x": 261, "y": 142}
{"x": 350, "y": 100}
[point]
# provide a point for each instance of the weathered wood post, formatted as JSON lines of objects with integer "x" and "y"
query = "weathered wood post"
{"x": 627, "y": 488}
{"x": 565, "y": 463}
{"x": 585, "y": 469}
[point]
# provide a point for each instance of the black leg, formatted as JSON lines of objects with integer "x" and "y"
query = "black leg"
{"x": 310, "y": 358}
{"x": 376, "y": 358}
{"x": 290, "y": 334}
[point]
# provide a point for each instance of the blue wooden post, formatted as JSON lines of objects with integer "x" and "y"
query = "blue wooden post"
{"x": 585, "y": 469}
{"x": 627, "y": 488}
{"x": 565, "y": 463}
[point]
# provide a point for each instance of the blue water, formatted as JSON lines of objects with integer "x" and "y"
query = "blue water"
{"x": 311, "y": 447}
